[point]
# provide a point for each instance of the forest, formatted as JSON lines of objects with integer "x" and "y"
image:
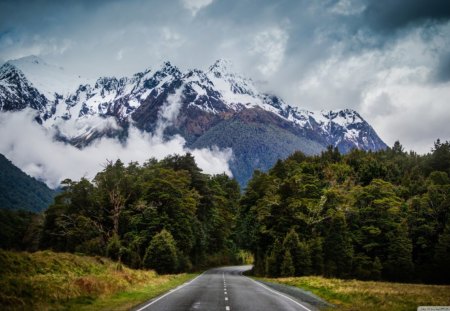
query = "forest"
{"x": 365, "y": 215}
{"x": 368, "y": 215}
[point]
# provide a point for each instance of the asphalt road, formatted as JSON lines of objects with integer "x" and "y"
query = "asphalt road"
{"x": 225, "y": 289}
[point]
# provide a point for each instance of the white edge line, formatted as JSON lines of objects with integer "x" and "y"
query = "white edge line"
{"x": 169, "y": 292}
{"x": 278, "y": 293}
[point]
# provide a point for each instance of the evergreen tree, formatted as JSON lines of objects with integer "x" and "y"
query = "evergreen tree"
{"x": 161, "y": 254}
{"x": 317, "y": 265}
{"x": 287, "y": 266}
{"x": 440, "y": 158}
{"x": 398, "y": 265}
{"x": 274, "y": 260}
{"x": 299, "y": 251}
{"x": 442, "y": 256}
{"x": 377, "y": 268}
{"x": 338, "y": 249}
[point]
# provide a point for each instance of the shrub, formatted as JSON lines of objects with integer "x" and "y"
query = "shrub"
{"x": 161, "y": 254}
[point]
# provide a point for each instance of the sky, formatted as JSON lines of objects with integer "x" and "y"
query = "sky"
{"x": 387, "y": 59}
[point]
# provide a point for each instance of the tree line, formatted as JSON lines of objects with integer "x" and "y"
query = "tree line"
{"x": 165, "y": 215}
{"x": 366, "y": 215}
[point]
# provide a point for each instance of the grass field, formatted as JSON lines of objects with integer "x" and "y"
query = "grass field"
{"x": 61, "y": 281}
{"x": 365, "y": 295}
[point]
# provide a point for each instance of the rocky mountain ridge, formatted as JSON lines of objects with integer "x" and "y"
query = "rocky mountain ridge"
{"x": 206, "y": 108}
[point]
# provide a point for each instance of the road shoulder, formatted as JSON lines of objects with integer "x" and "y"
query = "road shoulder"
{"x": 297, "y": 294}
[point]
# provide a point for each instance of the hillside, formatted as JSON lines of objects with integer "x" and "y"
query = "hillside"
{"x": 20, "y": 191}
{"x": 47, "y": 280}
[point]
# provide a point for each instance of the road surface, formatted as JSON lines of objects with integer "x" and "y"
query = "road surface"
{"x": 225, "y": 289}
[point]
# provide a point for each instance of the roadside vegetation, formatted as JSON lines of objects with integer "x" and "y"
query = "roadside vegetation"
{"x": 379, "y": 216}
{"x": 163, "y": 215}
{"x": 46, "y": 280}
{"x": 370, "y": 295}
{"x": 365, "y": 215}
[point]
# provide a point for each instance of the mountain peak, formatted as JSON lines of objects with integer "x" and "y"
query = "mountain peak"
{"x": 8, "y": 68}
{"x": 167, "y": 65}
{"x": 221, "y": 66}
{"x": 48, "y": 79}
{"x": 342, "y": 116}
{"x": 170, "y": 69}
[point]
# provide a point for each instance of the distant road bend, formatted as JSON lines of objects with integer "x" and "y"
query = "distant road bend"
{"x": 225, "y": 289}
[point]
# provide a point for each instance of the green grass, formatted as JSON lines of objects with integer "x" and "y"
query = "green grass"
{"x": 127, "y": 299}
{"x": 369, "y": 295}
{"x": 61, "y": 281}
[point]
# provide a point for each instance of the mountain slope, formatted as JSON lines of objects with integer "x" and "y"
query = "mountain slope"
{"x": 206, "y": 108}
{"x": 20, "y": 191}
{"x": 255, "y": 145}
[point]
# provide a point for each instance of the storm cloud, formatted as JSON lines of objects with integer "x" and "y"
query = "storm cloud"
{"x": 390, "y": 15}
{"x": 389, "y": 60}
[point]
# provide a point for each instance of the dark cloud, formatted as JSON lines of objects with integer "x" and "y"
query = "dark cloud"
{"x": 390, "y": 15}
{"x": 314, "y": 54}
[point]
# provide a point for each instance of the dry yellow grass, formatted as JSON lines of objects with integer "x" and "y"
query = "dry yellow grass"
{"x": 368, "y": 295}
{"x": 47, "y": 281}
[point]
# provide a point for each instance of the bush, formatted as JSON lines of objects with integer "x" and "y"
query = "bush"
{"x": 161, "y": 254}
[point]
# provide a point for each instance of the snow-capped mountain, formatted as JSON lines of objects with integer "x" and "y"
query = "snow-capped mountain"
{"x": 48, "y": 79}
{"x": 213, "y": 107}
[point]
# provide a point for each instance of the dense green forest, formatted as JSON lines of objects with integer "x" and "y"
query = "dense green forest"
{"x": 166, "y": 215}
{"x": 366, "y": 215}
{"x": 20, "y": 191}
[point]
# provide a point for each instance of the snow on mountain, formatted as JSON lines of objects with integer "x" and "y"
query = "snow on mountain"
{"x": 235, "y": 90}
{"x": 82, "y": 109}
{"x": 17, "y": 93}
{"x": 48, "y": 79}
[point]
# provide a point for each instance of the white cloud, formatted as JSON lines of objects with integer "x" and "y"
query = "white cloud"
{"x": 417, "y": 115}
{"x": 326, "y": 57}
{"x": 390, "y": 87}
{"x": 13, "y": 48}
{"x": 269, "y": 47}
{"x": 171, "y": 39}
{"x": 195, "y": 5}
{"x": 33, "y": 149}
{"x": 348, "y": 7}
{"x": 119, "y": 55}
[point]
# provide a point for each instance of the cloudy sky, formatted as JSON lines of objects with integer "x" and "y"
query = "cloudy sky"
{"x": 388, "y": 59}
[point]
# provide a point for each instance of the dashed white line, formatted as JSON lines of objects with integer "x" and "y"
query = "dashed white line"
{"x": 227, "y": 308}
